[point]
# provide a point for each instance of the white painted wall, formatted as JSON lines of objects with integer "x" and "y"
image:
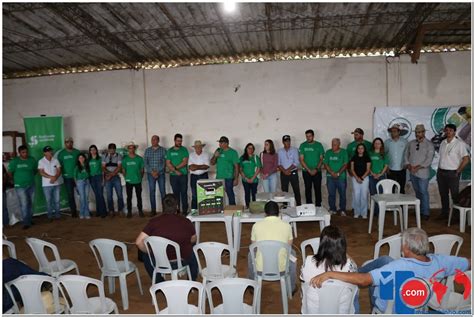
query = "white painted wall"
{"x": 246, "y": 102}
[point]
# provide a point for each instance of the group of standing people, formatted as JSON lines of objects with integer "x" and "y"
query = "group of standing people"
{"x": 366, "y": 163}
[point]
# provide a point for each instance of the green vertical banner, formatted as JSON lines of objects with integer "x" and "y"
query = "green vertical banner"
{"x": 40, "y": 132}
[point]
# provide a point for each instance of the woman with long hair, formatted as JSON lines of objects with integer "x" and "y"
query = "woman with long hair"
{"x": 360, "y": 169}
{"x": 331, "y": 256}
{"x": 379, "y": 165}
{"x": 97, "y": 181}
{"x": 269, "y": 159}
{"x": 250, "y": 166}
{"x": 81, "y": 176}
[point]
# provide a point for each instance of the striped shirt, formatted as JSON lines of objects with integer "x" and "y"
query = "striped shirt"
{"x": 155, "y": 159}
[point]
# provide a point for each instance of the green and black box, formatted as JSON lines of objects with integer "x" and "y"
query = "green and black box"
{"x": 210, "y": 196}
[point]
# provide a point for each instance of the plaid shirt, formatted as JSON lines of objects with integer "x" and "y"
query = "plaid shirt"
{"x": 155, "y": 159}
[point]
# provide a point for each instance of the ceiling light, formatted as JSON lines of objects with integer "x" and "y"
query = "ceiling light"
{"x": 229, "y": 6}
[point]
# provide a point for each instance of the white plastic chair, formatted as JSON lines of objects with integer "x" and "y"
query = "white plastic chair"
{"x": 111, "y": 268}
{"x": 443, "y": 243}
{"x": 313, "y": 242}
{"x": 54, "y": 268}
{"x": 176, "y": 293}
{"x": 387, "y": 186}
{"x": 452, "y": 301}
{"x": 270, "y": 250}
{"x": 156, "y": 248}
{"x": 330, "y": 297}
{"x": 394, "y": 247}
{"x": 11, "y": 248}
{"x": 232, "y": 291}
{"x": 29, "y": 288}
{"x": 214, "y": 269}
{"x": 76, "y": 287}
{"x": 464, "y": 213}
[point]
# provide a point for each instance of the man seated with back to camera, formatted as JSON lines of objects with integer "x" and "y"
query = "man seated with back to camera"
{"x": 415, "y": 258}
{"x": 174, "y": 227}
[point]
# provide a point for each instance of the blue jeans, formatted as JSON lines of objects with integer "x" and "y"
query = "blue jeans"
{"x": 179, "y": 184}
{"x": 270, "y": 183}
{"x": 373, "y": 189}
{"x": 420, "y": 185}
{"x": 191, "y": 261}
{"x": 375, "y": 264}
{"x": 152, "y": 188}
{"x": 26, "y": 198}
{"x": 98, "y": 188}
{"x": 6, "y": 218}
{"x": 70, "y": 184}
{"x": 51, "y": 194}
{"x": 110, "y": 185}
{"x": 229, "y": 190}
{"x": 83, "y": 189}
{"x": 250, "y": 189}
{"x": 360, "y": 194}
{"x": 194, "y": 179}
{"x": 339, "y": 185}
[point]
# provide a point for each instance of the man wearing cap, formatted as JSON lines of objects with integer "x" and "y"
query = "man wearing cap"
{"x": 288, "y": 162}
{"x": 199, "y": 163}
{"x": 50, "y": 170}
{"x": 155, "y": 163}
{"x": 133, "y": 170}
{"x": 311, "y": 159}
{"x": 358, "y": 139}
{"x": 395, "y": 151}
{"x": 453, "y": 158}
{"x": 177, "y": 161}
{"x": 111, "y": 166}
{"x": 23, "y": 168}
{"x": 418, "y": 158}
{"x": 68, "y": 158}
{"x": 227, "y": 167}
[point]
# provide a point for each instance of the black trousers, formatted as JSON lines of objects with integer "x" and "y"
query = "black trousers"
{"x": 295, "y": 184}
{"x": 400, "y": 177}
{"x": 138, "y": 191}
{"x": 309, "y": 182}
{"x": 448, "y": 181}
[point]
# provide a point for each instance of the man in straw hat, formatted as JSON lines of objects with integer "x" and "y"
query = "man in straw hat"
{"x": 395, "y": 150}
{"x": 133, "y": 170}
{"x": 418, "y": 157}
{"x": 199, "y": 163}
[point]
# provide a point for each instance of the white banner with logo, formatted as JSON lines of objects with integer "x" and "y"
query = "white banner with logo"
{"x": 434, "y": 120}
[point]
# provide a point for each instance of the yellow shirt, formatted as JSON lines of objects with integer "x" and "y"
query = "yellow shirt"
{"x": 271, "y": 228}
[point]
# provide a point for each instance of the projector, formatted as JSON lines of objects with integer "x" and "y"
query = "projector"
{"x": 306, "y": 210}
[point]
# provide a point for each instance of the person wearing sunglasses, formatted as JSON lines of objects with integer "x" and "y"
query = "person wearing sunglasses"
{"x": 418, "y": 157}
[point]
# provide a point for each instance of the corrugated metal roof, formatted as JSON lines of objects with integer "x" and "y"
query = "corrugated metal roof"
{"x": 48, "y": 38}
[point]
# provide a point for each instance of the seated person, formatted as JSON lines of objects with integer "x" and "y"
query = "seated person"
{"x": 12, "y": 269}
{"x": 174, "y": 227}
{"x": 415, "y": 248}
{"x": 331, "y": 256}
{"x": 272, "y": 228}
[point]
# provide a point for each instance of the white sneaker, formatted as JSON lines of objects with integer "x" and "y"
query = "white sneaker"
{"x": 332, "y": 212}
{"x": 88, "y": 217}
{"x": 343, "y": 214}
{"x": 356, "y": 216}
{"x": 81, "y": 217}
{"x": 364, "y": 217}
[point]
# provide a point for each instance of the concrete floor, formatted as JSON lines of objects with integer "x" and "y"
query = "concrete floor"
{"x": 72, "y": 237}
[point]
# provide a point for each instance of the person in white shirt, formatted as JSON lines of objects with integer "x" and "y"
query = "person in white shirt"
{"x": 50, "y": 170}
{"x": 199, "y": 163}
{"x": 453, "y": 158}
{"x": 331, "y": 256}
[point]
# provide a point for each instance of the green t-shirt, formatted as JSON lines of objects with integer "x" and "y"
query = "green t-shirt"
{"x": 335, "y": 161}
{"x": 312, "y": 153}
{"x": 68, "y": 162}
{"x": 249, "y": 167}
{"x": 351, "y": 147}
{"x": 23, "y": 171}
{"x": 225, "y": 163}
{"x": 176, "y": 156}
{"x": 80, "y": 174}
{"x": 95, "y": 166}
{"x": 378, "y": 162}
{"x": 133, "y": 168}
